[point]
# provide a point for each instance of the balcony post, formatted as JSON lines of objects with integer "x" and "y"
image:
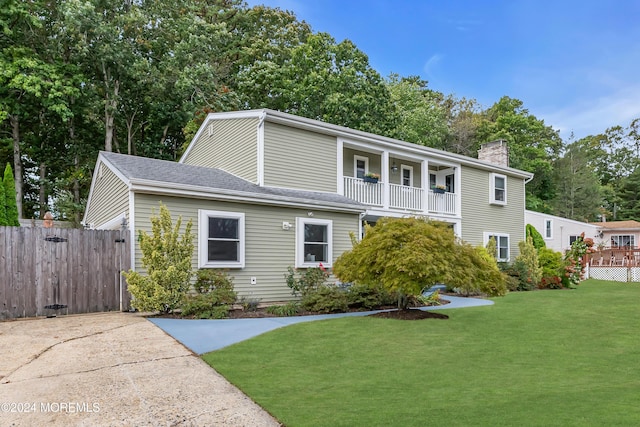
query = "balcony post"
{"x": 424, "y": 184}
{"x": 385, "y": 179}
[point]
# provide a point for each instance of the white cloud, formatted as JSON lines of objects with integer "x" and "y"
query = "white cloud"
{"x": 465, "y": 25}
{"x": 595, "y": 116}
{"x": 432, "y": 63}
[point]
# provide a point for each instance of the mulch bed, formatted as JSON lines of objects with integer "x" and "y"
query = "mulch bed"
{"x": 412, "y": 314}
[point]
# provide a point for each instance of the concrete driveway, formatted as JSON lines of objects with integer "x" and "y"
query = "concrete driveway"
{"x": 111, "y": 369}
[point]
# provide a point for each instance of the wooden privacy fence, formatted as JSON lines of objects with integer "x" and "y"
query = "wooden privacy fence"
{"x": 44, "y": 271}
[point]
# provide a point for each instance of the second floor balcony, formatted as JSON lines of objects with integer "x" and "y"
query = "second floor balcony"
{"x": 401, "y": 197}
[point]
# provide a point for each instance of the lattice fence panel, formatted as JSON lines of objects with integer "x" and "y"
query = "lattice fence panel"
{"x": 616, "y": 274}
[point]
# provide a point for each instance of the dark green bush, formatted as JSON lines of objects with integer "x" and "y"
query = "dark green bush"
{"x": 369, "y": 297}
{"x": 213, "y": 298}
{"x": 249, "y": 304}
{"x": 513, "y": 283}
{"x": 511, "y": 274}
{"x": 537, "y": 239}
{"x": 289, "y": 309}
{"x": 553, "y": 267}
{"x": 528, "y": 266}
{"x": 204, "y": 306}
{"x": 217, "y": 282}
{"x": 325, "y": 299}
{"x": 304, "y": 281}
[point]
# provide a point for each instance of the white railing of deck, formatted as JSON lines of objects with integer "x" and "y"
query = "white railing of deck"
{"x": 363, "y": 192}
{"x": 403, "y": 197}
{"x": 442, "y": 203}
{"x": 400, "y": 197}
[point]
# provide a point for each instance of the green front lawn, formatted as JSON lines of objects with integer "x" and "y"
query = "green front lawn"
{"x": 562, "y": 358}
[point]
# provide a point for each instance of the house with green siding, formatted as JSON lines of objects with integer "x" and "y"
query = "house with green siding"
{"x": 267, "y": 190}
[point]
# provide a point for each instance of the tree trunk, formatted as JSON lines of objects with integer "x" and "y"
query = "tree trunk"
{"x": 76, "y": 191}
{"x": 109, "y": 116}
{"x": 17, "y": 161}
{"x": 42, "y": 192}
{"x": 110, "y": 106}
{"x": 131, "y": 133}
{"x": 75, "y": 185}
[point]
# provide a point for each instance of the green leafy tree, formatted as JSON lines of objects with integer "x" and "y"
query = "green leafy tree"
{"x": 268, "y": 39}
{"x": 575, "y": 261}
{"x": 463, "y": 118}
{"x": 552, "y": 266}
{"x": 320, "y": 79}
{"x": 528, "y": 266}
{"x": 536, "y": 237}
{"x": 9, "y": 190}
{"x": 578, "y": 189}
{"x": 492, "y": 248}
{"x": 3, "y": 207}
{"x": 629, "y": 193}
{"x": 533, "y": 146}
{"x": 422, "y": 118}
{"x": 405, "y": 255}
{"x": 166, "y": 257}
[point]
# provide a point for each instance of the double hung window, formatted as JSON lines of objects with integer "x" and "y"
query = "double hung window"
{"x": 313, "y": 242}
{"x": 502, "y": 245}
{"x": 221, "y": 239}
{"x": 498, "y": 186}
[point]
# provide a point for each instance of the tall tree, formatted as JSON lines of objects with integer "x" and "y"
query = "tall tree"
{"x": 464, "y": 118}
{"x": 11, "y": 210}
{"x": 422, "y": 119}
{"x": 268, "y": 37}
{"x": 3, "y": 204}
{"x": 630, "y": 197}
{"x": 533, "y": 146}
{"x": 33, "y": 83}
{"x": 106, "y": 37}
{"x": 311, "y": 75}
{"x": 579, "y": 193}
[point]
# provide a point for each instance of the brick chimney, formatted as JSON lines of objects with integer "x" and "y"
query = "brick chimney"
{"x": 495, "y": 152}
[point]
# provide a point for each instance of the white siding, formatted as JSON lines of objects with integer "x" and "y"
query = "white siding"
{"x": 561, "y": 229}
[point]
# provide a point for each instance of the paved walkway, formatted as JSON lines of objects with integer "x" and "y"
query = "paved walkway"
{"x": 111, "y": 369}
{"x": 203, "y": 336}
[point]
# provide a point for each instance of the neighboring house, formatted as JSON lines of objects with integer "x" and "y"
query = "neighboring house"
{"x": 559, "y": 233}
{"x": 619, "y": 234}
{"x": 267, "y": 190}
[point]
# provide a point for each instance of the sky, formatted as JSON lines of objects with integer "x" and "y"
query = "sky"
{"x": 573, "y": 64}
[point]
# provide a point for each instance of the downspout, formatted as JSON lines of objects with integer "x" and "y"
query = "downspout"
{"x": 260, "y": 142}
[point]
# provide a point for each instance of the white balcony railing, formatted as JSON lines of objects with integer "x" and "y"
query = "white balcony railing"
{"x": 441, "y": 203}
{"x": 403, "y": 197}
{"x": 400, "y": 197}
{"x": 363, "y": 192}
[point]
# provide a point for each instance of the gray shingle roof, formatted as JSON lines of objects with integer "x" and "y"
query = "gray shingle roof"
{"x": 136, "y": 168}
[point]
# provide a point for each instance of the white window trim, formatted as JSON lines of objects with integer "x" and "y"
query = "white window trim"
{"x": 410, "y": 169}
{"x": 492, "y": 185}
{"x": 574, "y": 237}
{"x": 300, "y": 259}
{"x": 355, "y": 165}
{"x": 632, "y": 239}
{"x": 488, "y": 234}
{"x": 548, "y": 222}
{"x": 203, "y": 239}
